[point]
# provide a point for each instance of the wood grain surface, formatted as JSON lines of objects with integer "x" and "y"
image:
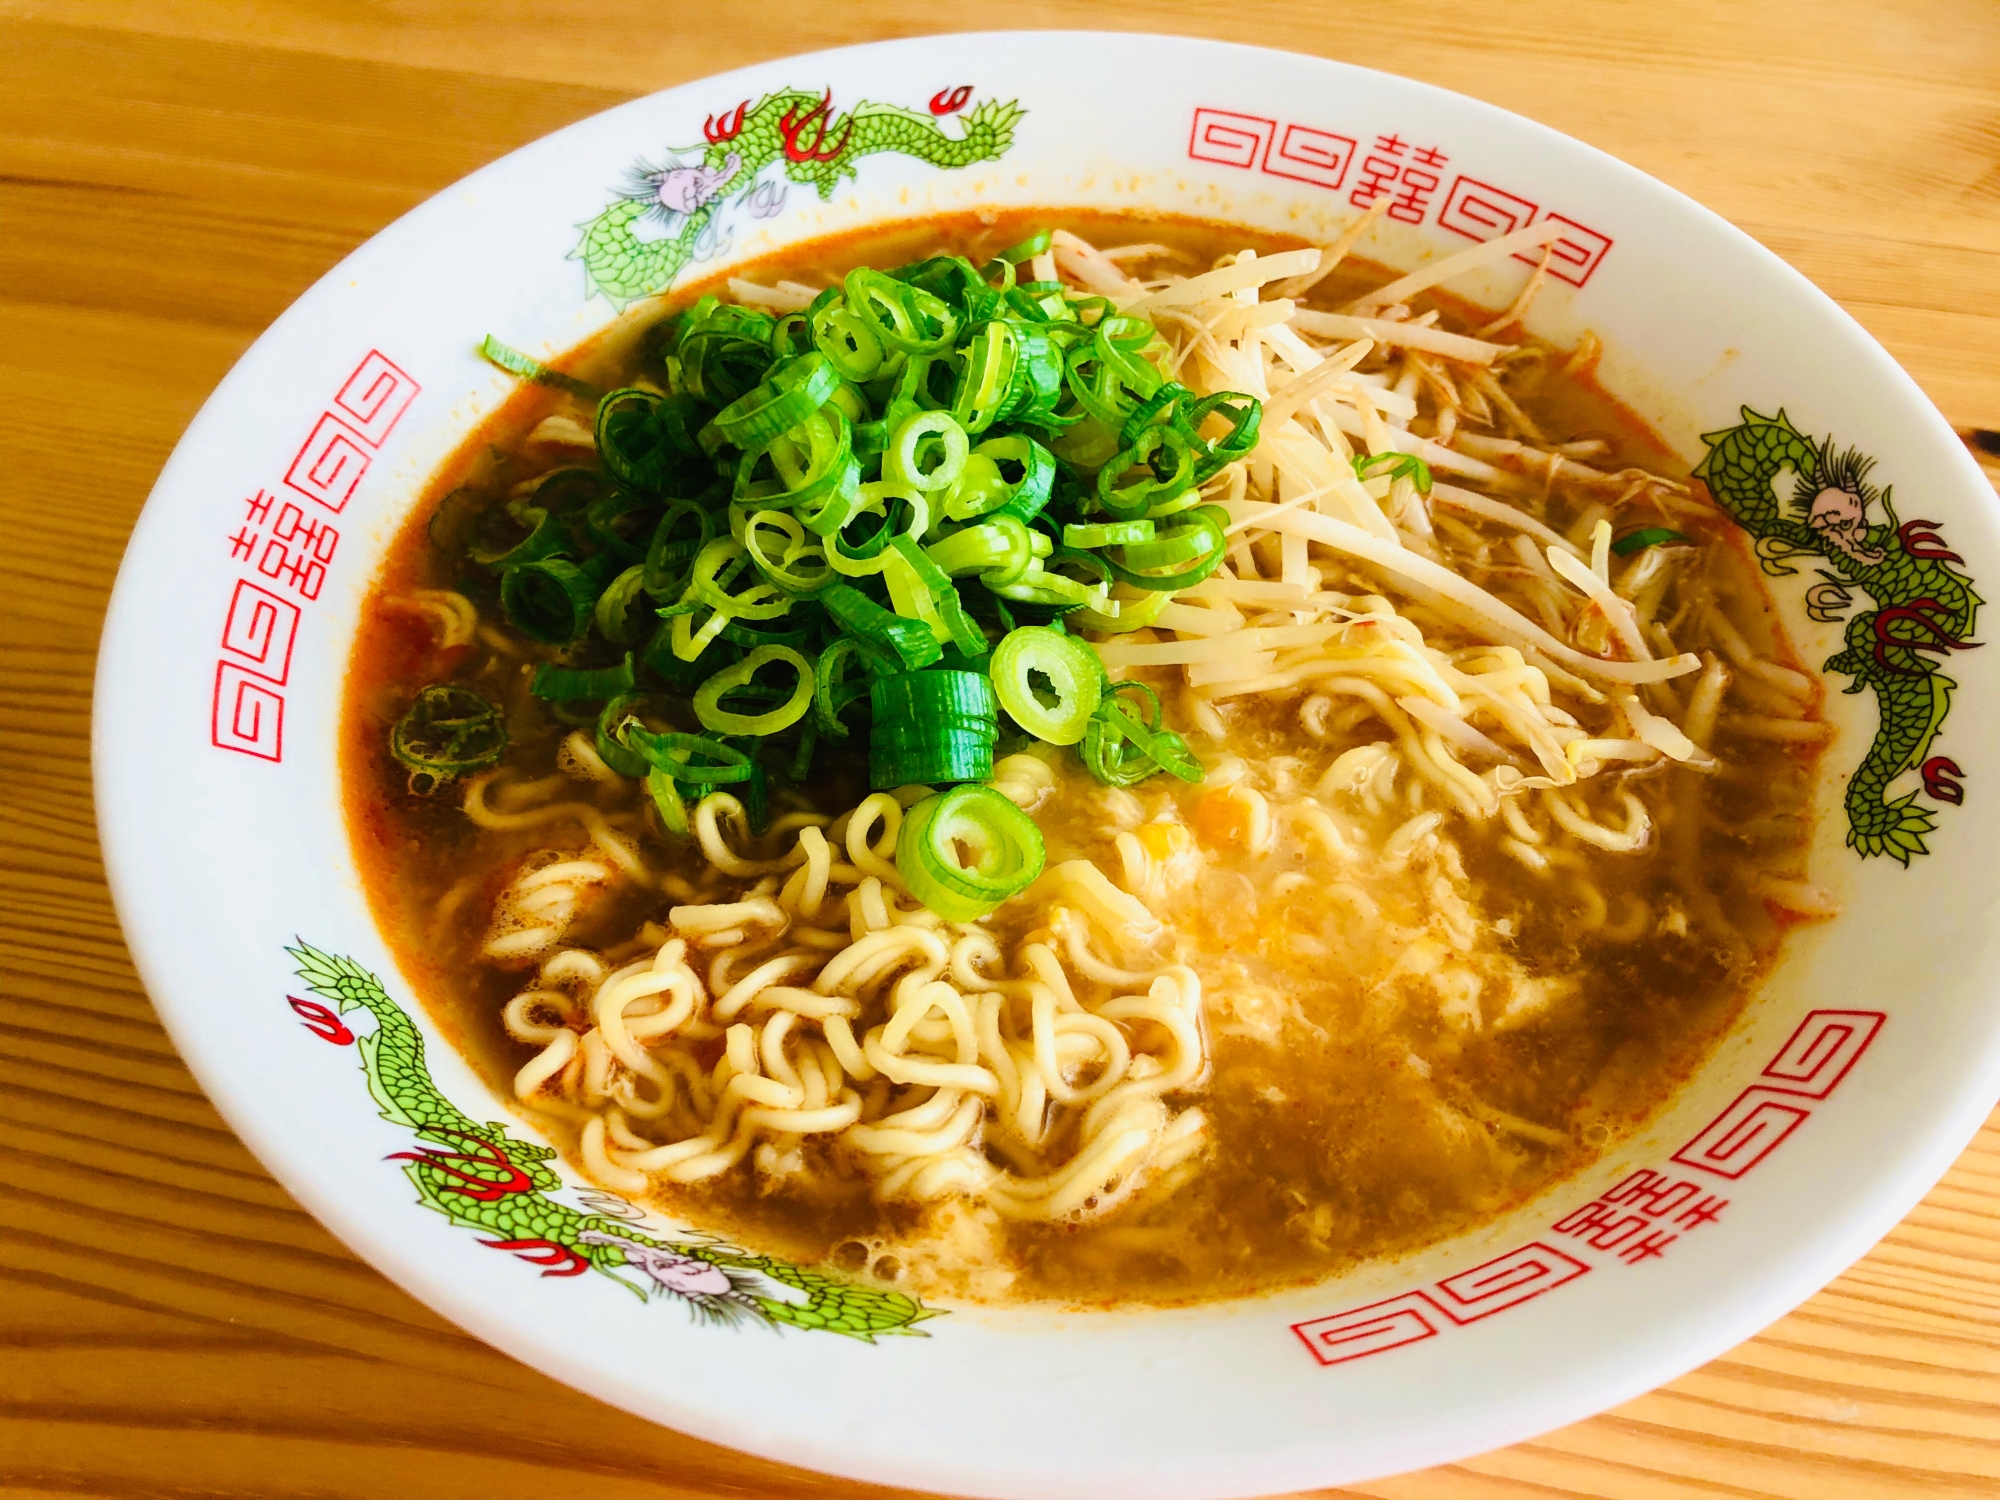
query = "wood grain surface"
{"x": 176, "y": 172}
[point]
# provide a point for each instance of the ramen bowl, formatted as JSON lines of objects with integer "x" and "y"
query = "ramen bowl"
{"x": 1846, "y": 1087}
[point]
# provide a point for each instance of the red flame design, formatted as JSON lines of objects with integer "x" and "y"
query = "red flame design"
{"x": 1941, "y": 779}
{"x": 1920, "y": 540}
{"x": 322, "y": 1022}
{"x": 560, "y": 1259}
{"x": 484, "y": 1153}
{"x": 792, "y": 126}
{"x": 1923, "y": 615}
{"x": 950, "y": 101}
{"x": 725, "y": 127}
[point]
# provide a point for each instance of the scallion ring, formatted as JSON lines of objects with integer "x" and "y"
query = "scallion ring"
{"x": 927, "y": 451}
{"x": 593, "y": 683}
{"x": 1048, "y": 682}
{"x": 709, "y": 699}
{"x": 447, "y": 731}
{"x": 550, "y": 600}
{"x": 965, "y": 851}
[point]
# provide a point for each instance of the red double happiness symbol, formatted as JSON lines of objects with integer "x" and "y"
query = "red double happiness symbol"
{"x": 950, "y": 101}
{"x": 471, "y": 1184}
{"x": 560, "y": 1259}
{"x": 726, "y": 127}
{"x": 322, "y": 1022}
{"x": 792, "y": 126}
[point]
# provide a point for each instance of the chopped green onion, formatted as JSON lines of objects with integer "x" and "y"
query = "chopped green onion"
{"x": 550, "y": 601}
{"x": 848, "y": 340}
{"x": 931, "y": 727}
{"x": 446, "y": 732}
{"x": 672, "y": 553}
{"x": 715, "y": 566}
{"x": 819, "y": 491}
{"x": 1244, "y": 414}
{"x": 1028, "y": 249}
{"x": 676, "y": 755}
{"x": 618, "y": 615}
{"x": 530, "y": 369}
{"x": 1397, "y": 465}
{"x": 903, "y": 317}
{"x": 722, "y": 349}
{"x": 996, "y": 545}
{"x": 1163, "y": 463}
{"x": 639, "y": 441}
{"x": 1651, "y": 536}
{"x": 1137, "y": 609}
{"x": 931, "y": 438}
{"x": 571, "y": 682}
{"x": 794, "y": 391}
{"x": 545, "y": 536}
{"x": 908, "y": 643}
{"x": 1048, "y": 682}
{"x": 1177, "y": 558}
{"x": 794, "y": 569}
{"x": 965, "y": 851}
{"x": 833, "y": 695}
{"x": 667, "y": 798}
{"x": 1123, "y": 749}
{"x": 1108, "y": 534}
{"x": 626, "y": 762}
{"x": 986, "y": 382}
{"x": 709, "y": 699}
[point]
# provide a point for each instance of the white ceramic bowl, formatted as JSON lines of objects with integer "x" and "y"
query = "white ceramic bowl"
{"x": 1845, "y": 1091}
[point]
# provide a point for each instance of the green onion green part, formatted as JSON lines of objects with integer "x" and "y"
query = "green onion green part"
{"x": 887, "y": 513}
{"x": 1048, "y": 682}
{"x": 446, "y": 732}
{"x": 530, "y": 369}
{"x": 1651, "y": 536}
{"x": 965, "y": 851}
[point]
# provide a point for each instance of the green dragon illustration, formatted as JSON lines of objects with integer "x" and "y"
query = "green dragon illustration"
{"x": 1922, "y": 605}
{"x": 792, "y": 129}
{"x": 480, "y": 1177}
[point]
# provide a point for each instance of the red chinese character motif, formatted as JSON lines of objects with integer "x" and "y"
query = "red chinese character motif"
{"x": 1409, "y": 178}
{"x": 1480, "y": 211}
{"x": 1362, "y": 1331}
{"x": 1507, "y": 1281}
{"x": 261, "y": 629}
{"x": 375, "y": 397}
{"x": 1820, "y": 1053}
{"x": 1229, "y": 139}
{"x": 1576, "y": 253}
{"x": 246, "y": 711}
{"x": 1647, "y": 1212}
{"x": 329, "y": 466}
{"x": 1308, "y": 155}
{"x": 247, "y": 715}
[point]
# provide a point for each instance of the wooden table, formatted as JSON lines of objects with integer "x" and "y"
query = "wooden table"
{"x": 176, "y": 172}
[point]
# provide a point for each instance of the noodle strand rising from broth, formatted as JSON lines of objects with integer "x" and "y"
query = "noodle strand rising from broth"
{"x": 1504, "y": 797}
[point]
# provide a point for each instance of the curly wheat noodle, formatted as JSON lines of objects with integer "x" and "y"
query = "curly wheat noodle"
{"x": 902, "y": 1005}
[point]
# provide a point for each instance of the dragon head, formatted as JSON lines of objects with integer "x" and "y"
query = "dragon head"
{"x": 1838, "y": 509}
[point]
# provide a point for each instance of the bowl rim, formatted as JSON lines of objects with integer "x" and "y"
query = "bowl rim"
{"x": 1836, "y": 1241}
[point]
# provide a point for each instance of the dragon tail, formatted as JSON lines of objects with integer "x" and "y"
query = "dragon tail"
{"x": 1912, "y": 706}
